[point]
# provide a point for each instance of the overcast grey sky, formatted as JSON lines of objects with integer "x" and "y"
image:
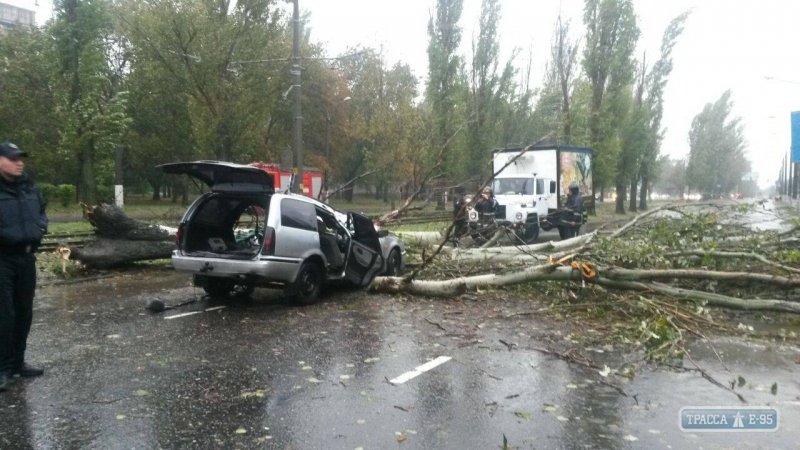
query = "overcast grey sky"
{"x": 726, "y": 45}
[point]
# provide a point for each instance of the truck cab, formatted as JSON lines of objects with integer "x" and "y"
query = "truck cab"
{"x": 524, "y": 200}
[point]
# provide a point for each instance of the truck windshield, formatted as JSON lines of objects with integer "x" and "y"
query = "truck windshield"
{"x": 512, "y": 186}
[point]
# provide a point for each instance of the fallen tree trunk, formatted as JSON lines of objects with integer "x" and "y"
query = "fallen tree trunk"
{"x": 122, "y": 239}
{"x": 107, "y": 253}
{"x": 110, "y": 222}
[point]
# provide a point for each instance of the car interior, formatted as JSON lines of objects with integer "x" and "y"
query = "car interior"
{"x": 228, "y": 227}
{"x": 333, "y": 240}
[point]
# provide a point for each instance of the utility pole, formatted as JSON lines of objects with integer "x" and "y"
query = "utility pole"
{"x": 298, "y": 106}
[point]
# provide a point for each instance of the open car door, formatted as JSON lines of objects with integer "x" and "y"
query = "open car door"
{"x": 364, "y": 260}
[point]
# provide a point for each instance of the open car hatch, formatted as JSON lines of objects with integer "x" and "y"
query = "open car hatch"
{"x": 224, "y": 176}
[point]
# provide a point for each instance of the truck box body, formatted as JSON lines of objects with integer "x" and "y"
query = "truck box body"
{"x": 560, "y": 163}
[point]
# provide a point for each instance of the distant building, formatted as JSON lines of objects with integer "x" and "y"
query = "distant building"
{"x": 12, "y": 17}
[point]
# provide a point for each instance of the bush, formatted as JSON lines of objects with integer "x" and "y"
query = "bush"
{"x": 66, "y": 194}
{"x": 48, "y": 192}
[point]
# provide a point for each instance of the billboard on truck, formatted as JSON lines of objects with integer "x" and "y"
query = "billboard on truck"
{"x": 575, "y": 165}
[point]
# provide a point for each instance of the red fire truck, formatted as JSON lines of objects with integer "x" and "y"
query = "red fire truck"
{"x": 312, "y": 178}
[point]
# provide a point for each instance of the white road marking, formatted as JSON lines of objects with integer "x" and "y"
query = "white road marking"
{"x": 191, "y": 313}
{"x": 420, "y": 370}
{"x": 182, "y": 315}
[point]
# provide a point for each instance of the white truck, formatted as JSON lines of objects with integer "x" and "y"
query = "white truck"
{"x": 532, "y": 189}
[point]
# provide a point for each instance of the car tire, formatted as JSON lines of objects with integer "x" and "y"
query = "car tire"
{"x": 305, "y": 290}
{"x": 218, "y": 288}
{"x": 394, "y": 264}
{"x": 243, "y": 290}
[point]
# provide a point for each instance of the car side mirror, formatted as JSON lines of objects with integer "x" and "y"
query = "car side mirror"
{"x": 383, "y": 233}
{"x": 552, "y": 187}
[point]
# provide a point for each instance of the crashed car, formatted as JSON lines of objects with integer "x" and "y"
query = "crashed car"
{"x": 242, "y": 235}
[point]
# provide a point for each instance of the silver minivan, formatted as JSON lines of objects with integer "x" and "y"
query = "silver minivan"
{"x": 242, "y": 234}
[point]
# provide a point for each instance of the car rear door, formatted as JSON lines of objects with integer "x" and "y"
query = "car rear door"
{"x": 364, "y": 259}
{"x": 224, "y": 176}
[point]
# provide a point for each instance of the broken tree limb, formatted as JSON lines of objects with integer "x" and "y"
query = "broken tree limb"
{"x": 705, "y": 297}
{"x": 543, "y": 248}
{"x": 672, "y": 206}
{"x": 554, "y": 272}
{"x": 683, "y": 274}
{"x": 735, "y": 255}
{"x": 420, "y": 238}
{"x": 460, "y": 213}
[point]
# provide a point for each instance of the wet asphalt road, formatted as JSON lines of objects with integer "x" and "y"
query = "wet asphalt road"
{"x": 264, "y": 374}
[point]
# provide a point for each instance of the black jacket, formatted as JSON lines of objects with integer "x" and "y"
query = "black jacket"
{"x": 22, "y": 218}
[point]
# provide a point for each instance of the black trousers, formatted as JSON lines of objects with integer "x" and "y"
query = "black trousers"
{"x": 17, "y": 287}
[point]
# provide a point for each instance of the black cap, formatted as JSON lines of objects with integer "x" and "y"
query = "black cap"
{"x": 10, "y": 150}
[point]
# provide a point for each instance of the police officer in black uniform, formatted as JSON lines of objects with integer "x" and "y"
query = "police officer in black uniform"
{"x": 486, "y": 205}
{"x": 574, "y": 203}
{"x": 23, "y": 222}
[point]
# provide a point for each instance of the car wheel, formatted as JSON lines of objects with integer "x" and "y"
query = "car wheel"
{"x": 394, "y": 264}
{"x": 243, "y": 290}
{"x": 306, "y": 287}
{"x": 218, "y": 288}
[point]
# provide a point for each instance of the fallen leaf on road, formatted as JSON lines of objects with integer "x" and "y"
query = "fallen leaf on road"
{"x": 306, "y": 367}
{"x": 572, "y": 386}
{"x": 523, "y": 415}
{"x": 313, "y": 380}
{"x": 411, "y": 432}
{"x": 248, "y": 394}
{"x": 774, "y": 389}
{"x": 605, "y": 372}
{"x": 562, "y": 418}
{"x": 741, "y": 381}
{"x": 344, "y": 377}
{"x": 401, "y": 437}
{"x": 240, "y": 431}
{"x": 371, "y": 360}
{"x": 653, "y": 431}
{"x": 550, "y": 408}
{"x": 141, "y": 393}
{"x": 630, "y": 438}
{"x": 361, "y": 421}
{"x": 120, "y": 416}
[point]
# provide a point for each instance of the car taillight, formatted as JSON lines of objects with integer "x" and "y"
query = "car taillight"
{"x": 269, "y": 241}
{"x": 179, "y": 235}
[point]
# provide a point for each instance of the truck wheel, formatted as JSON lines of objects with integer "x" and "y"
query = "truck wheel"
{"x": 306, "y": 287}
{"x": 530, "y": 234}
{"x": 218, "y": 287}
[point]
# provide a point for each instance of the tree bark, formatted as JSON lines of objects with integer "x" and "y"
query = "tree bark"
{"x": 644, "y": 193}
{"x": 107, "y": 253}
{"x": 156, "y": 191}
{"x": 602, "y": 193}
{"x": 632, "y": 205}
{"x": 621, "y": 197}
{"x": 111, "y": 223}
